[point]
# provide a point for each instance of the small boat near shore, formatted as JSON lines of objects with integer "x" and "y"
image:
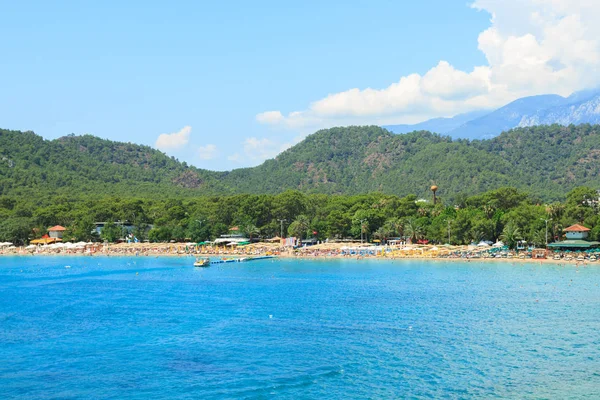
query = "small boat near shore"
{"x": 202, "y": 262}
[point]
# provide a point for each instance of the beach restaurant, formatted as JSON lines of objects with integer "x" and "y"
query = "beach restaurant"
{"x": 54, "y": 235}
{"x": 576, "y": 239}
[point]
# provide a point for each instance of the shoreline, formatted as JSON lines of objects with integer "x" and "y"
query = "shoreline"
{"x": 540, "y": 261}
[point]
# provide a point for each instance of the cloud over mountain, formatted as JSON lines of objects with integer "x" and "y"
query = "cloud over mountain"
{"x": 531, "y": 47}
{"x": 175, "y": 140}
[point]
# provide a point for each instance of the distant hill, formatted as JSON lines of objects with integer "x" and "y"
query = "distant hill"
{"x": 437, "y": 125}
{"x": 546, "y": 161}
{"x": 581, "y": 107}
{"x": 505, "y": 118}
{"x": 87, "y": 164}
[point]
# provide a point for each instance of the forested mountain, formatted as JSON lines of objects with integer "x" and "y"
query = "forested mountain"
{"x": 546, "y": 161}
{"x": 87, "y": 164}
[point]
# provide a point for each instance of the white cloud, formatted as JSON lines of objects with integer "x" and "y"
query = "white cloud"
{"x": 174, "y": 141}
{"x": 531, "y": 47}
{"x": 269, "y": 117}
{"x": 207, "y": 152}
{"x": 256, "y": 149}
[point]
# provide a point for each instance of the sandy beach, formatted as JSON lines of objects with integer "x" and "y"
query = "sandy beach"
{"x": 321, "y": 251}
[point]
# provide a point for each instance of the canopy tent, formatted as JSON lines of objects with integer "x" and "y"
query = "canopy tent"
{"x": 580, "y": 244}
{"x": 45, "y": 240}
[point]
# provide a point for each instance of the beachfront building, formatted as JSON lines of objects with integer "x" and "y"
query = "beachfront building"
{"x": 234, "y": 237}
{"x": 126, "y": 226}
{"x": 56, "y": 232}
{"x": 576, "y": 239}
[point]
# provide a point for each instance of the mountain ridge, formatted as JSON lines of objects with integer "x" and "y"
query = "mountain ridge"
{"x": 545, "y": 160}
{"x": 580, "y": 107}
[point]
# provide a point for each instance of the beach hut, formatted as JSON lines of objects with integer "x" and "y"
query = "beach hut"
{"x": 576, "y": 239}
{"x": 56, "y": 232}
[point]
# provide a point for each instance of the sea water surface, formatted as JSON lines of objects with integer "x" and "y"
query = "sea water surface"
{"x": 142, "y": 327}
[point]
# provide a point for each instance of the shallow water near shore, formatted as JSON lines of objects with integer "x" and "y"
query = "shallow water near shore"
{"x": 142, "y": 327}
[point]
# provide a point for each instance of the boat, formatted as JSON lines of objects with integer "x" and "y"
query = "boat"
{"x": 202, "y": 262}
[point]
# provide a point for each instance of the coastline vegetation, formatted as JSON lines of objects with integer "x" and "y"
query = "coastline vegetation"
{"x": 505, "y": 214}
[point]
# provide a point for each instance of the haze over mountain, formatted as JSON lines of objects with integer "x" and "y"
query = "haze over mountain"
{"x": 580, "y": 107}
{"x": 437, "y": 125}
{"x": 547, "y": 161}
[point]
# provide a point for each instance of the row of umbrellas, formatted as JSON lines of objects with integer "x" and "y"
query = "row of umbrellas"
{"x": 67, "y": 245}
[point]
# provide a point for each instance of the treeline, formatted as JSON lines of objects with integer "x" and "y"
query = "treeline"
{"x": 507, "y": 214}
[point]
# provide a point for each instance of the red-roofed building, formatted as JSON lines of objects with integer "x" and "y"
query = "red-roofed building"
{"x": 576, "y": 232}
{"x": 56, "y": 231}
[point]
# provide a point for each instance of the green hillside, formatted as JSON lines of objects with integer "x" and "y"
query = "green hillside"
{"x": 546, "y": 161}
{"x": 86, "y": 164}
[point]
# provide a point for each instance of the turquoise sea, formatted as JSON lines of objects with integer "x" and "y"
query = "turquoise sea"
{"x": 158, "y": 328}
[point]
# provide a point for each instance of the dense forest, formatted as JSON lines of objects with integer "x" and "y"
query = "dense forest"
{"x": 337, "y": 183}
{"x": 504, "y": 213}
{"x": 545, "y": 161}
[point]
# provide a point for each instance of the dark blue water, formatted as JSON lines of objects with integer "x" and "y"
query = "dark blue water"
{"x": 160, "y": 328}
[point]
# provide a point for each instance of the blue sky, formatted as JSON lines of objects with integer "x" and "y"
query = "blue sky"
{"x": 225, "y": 76}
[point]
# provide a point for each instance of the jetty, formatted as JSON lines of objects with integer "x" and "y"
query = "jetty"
{"x": 240, "y": 259}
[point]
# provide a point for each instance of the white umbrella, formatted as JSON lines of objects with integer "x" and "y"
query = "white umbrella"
{"x": 31, "y": 246}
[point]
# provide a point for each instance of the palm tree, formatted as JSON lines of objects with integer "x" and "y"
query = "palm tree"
{"x": 477, "y": 236}
{"x": 555, "y": 210}
{"x": 251, "y": 230}
{"x": 394, "y": 226}
{"x": 511, "y": 235}
{"x": 539, "y": 237}
{"x": 382, "y": 233}
{"x": 413, "y": 230}
{"x": 300, "y": 226}
{"x": 488, "y": 209}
